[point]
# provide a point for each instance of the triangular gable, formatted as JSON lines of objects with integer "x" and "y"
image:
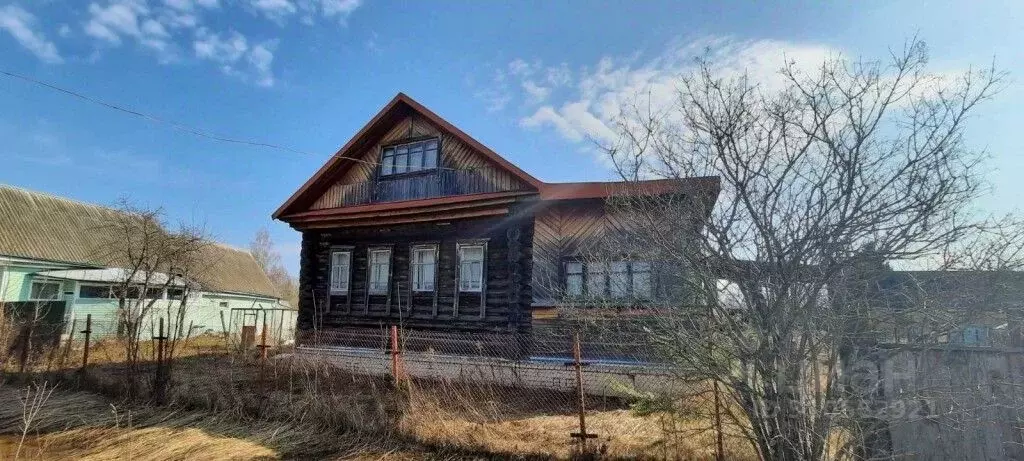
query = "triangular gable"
{"x": 401, "y": 118}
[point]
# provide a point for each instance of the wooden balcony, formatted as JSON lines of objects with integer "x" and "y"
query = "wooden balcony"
{"x": 415, "y": 186}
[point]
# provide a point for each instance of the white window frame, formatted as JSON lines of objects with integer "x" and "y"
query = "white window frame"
{"x": 581, "y": 288}
{"x": 372, "y": 286}
{"x": 388, "y": 164}
{"x": 460, "y": 250}
{"x": 340, "y": 274}
{"x": 415, "y": 264}
{"x": 604, "y": 270}
{"x": 60, "y": 289}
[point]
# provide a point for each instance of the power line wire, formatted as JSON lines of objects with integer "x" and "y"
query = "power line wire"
{"x": 175, "y": 125}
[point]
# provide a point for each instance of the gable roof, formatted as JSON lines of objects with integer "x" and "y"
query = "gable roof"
{"x": 399, "y": 106}
{"x": 296, "y": 208}
{"x": 39, "y": 226}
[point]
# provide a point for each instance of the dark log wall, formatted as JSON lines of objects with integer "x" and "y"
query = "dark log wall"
{"x": 506, "y": 296}
{"x": 454, "y": 154}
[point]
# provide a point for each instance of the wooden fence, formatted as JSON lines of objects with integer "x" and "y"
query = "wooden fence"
{"x": 948, "y": 402}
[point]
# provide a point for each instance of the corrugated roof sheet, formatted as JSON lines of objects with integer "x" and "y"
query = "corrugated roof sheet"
{"x": 35, "y": 225}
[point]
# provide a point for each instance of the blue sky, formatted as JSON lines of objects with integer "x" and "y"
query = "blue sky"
{"x": 530, "y": 79}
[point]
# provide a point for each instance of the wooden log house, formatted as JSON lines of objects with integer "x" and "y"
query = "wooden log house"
{"x": 415, "y": 223}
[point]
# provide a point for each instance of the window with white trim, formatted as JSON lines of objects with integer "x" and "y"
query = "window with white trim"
{"x": 423, "y": 266}
{"x": 613, "y": 280}
{"x": 409, "y": 157}
{"x": 380, "y": 271}
{"x": 45, "y": 291}
{"x": 471, "y": 267}
{"x": 341, "y": 264}
{"x": 574, "y": 278}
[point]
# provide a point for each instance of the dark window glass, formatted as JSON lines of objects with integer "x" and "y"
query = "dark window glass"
{"x": 94, "y": 291}
{"x": 175, "y": 293}
{"x": 154, "y": 293}
{"x": 130, "y": 293}
{"x": 45, "y": 290}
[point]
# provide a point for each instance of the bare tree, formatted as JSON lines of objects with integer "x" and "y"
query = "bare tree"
{"x": 267, "y": 256}
{"x": 845, "y": 168}
{"x": 155, "y": 272}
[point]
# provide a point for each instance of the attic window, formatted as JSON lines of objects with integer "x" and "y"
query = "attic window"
{"x": 409, "y": 157}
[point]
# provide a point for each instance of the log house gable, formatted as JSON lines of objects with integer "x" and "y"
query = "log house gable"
{"x": 352, "y": 177}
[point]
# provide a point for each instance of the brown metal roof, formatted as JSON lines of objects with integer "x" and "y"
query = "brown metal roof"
{"x": 606, "y": 189}
{"x": 40, "y": 226}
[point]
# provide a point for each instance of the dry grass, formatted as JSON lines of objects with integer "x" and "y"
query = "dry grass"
{"x": 224, "y": 405}
{"x": 82, "y": 425}
{"x": 500, "y": 422}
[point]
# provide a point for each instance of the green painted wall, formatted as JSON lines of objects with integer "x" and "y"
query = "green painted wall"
{"x": 16, "y": 283}
{"x": 205, "y": 313}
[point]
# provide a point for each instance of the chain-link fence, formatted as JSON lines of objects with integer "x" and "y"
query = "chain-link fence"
{"x": 544, "y": 393}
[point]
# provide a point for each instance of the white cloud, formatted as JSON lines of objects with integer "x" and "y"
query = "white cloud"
{"x": 132, "y": 19}
{"x": 189, "y": 5}
{"x": 583, "y": 103}
{"x": 276, "y": 10}
{"x": 117, "y": 18}
{"x": 22, "y": 26}
{"x": 236, "y": 56}
{"x": 536, "y": 93}
{"x": 329, "y": 9}
{"x": 167, "y": 29}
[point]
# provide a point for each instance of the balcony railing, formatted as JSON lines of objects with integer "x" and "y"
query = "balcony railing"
{"x": 439, "y": 183}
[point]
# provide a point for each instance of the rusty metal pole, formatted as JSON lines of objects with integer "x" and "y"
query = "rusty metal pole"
{"x": 263, "y": 340}
{"x": 719, "y": 445}
{"x": 87, "y": 332}
{"x": 577, "y": 358}
{"x": 395, "y": 371}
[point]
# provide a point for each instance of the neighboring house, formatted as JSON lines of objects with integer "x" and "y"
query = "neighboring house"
{"x": 415, "y": 223}
{"x": 49, "y": 249}
{"x": 972, "y": 308}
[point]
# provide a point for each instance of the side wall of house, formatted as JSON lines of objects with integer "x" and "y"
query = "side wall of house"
{"x": 568, "y": 229}
{"x": 503, "y": 306}
{"x": 454, "y": 154}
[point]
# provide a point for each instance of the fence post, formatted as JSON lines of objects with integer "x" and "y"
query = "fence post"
{"x": 577, "y": 360}
{"x": 396, "y": 370}
{"x": 263, "y": 340}
{"x": 263, "y": 355}
{"x": 85, "y": 350}
{"x": 26, "y": 346}
{"x": 159, "y": 390}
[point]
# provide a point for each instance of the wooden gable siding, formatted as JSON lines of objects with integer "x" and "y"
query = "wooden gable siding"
{"x": 454, "y": 154}
{"x": 507, "y": 291}
{"x": 564, "y": 230}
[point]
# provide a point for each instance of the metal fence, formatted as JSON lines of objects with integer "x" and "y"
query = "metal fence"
{"x": 565, "y": 394}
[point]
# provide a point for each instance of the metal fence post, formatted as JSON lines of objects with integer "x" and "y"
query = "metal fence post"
{"x": 160, "y": 391}
{"x": 395, "y": 366}
{"x": 85, "y": 350}
{"x": 578, "y": 364}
